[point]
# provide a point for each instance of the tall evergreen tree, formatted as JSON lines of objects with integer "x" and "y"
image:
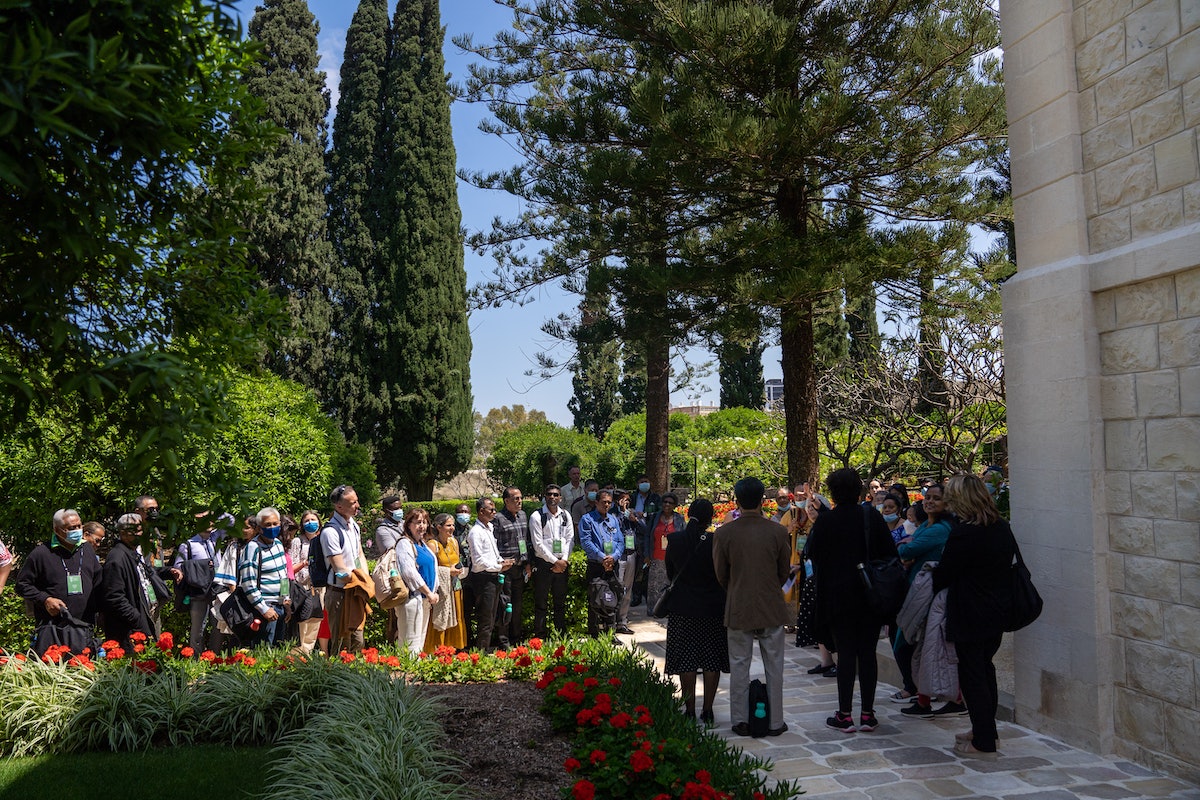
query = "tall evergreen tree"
{"x": 355, "y": 215}
{"x": 419, "y": 422}
{"x": 595, "y": 373}
{"x": 633, "y": 377}
{"x": 289, "y": 245}
{"x": 739, "y": 359}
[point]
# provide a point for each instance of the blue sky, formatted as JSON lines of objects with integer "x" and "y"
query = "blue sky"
{"x": 504, "y": 340}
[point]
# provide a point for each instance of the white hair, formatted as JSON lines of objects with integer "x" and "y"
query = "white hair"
{"x": 266, "y": 512}
{"x": 60, "y": 516}
{"x": 130, "y": 520}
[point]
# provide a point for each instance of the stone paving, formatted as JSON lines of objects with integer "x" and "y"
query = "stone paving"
{"x": 911, "y": 758}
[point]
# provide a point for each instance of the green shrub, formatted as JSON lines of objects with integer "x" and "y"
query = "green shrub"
{"x": 539, "y": 453}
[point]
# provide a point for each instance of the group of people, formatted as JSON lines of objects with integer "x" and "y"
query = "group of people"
{"x": 750, "y": 580}
{"x": 754, "y": 576}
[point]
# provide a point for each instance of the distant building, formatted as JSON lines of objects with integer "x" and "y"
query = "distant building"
{"x": 695, "y": 411}
{"x": 774, "y": 387}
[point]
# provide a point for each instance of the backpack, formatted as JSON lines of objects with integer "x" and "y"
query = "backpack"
{"x": 390, "y": 589}
{"x": 604, "y": 597}
{"x": 760, "y": 708}
{"x": 318, "y": 570}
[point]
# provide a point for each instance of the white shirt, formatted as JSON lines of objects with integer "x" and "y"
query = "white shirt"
{"x": 570, "y": 494}
{"x": 484, "y": 555}
{"x": 349, "y": 545}
{"x": 545, "y": 530}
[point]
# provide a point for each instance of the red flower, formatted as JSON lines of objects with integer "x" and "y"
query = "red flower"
{"x": 704, "y": 776}
{"x": 560, "y": 669}
{"x": 208, "y": 655}
{"x": 620, "y": 720}
{"x": 463, "y": 656}
{"x": 584, "y": 717}
{"x": 538, "y": 659}
{"x": 500, "y": 654}
{"x": 644, "y": 719}
{"x": 544, "y": 682}
{"x": 614, "y": 682}
{"x": 110, "y": 644}
{"x": 392, "y": 661}
{"x": 371, "y": 656}
{"x": 558, "y": 651}
{"x": 535, "y": 643}
{"x": 581, "y": 668}
{"x": 604, "y": 703}
{"x": 597, "y": 756}
{"x": 640, "y": 762}
{"x": 590, "y": 683}
{"x": 148, "y": 667}
{"x": 249, "y": 661}
{"x": 583, "y": 790}
{"x": 137, "y": 648}
{"x": 187, "y": 652}
{"x": 474, "y": 658}
{"x": 347, "y": 658}
{"x": 422, "y": 655}
{"x": 520, "y": 650}
{"x": 166, "y": 641}
{"x": 759, "y": 796}
{"x": 137, "y": 636}
{"x": 571, "y": 764}
{"x": 113, "y": 653}
{"x": 576, "y": 652}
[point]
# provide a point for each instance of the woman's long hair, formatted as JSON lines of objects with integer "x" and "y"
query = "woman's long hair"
{"x": 412, "y": 516}
{"x": 701, "y": 513}
{"x": 968, "y": 498}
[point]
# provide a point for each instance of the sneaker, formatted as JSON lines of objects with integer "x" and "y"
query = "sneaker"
{"x": 951, "y": 709}
{"x": 903, "y": 697}
{"x": 867, "y": 721}
{"x": 915, "y": 709}
{"x": 841, "y": 722}
{"x": 968, "y": 749}
{"x": 624, "y": 630}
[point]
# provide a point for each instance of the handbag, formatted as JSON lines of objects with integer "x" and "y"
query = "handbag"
{"x": 885, "y": 580}
{"x": 660, "y": 609}
{"x": 1025, "y": 604}
{"x": 66, "y": 631}
{"x": 237, "y": 610}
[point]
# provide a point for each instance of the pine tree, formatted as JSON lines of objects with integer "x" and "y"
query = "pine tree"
{"x": 595, "y": 373}
{"x": 419, "y": 422}
{"x": 289, "y": 245}
{"x": 741, "y": 372}
{"x": 633, "y": 377}
{"x": 354, "y": 217}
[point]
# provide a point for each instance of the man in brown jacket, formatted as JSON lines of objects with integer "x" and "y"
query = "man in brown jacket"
{"x": 752, "y": 559}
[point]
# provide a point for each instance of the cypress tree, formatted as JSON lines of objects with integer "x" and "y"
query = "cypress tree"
{"x": 741, "y": 372}
{"x": 419, "y": 422}
{"x": 288, "y": 241}
{"x": 595, "y": 376}
{"x": 354, "y": 218}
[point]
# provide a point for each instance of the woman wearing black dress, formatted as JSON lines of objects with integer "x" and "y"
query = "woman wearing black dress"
{"x": 696, "y": 636}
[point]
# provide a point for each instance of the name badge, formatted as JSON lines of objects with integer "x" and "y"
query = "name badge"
{"x": 521, "y": 546}
{"x": 151, "y": 595}
{"x": 629, "y": 541}
{"x": 663, "y": 539}
{"x": 158, "y": 563}
{"x": 556, "y": 547}
{"x": 608, "y": 548}
{"x": 74, "y": 584}
{"x": 284, "y": 587}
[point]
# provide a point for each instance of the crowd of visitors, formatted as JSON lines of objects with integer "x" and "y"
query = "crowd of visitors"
{"x": 459, "y": 582}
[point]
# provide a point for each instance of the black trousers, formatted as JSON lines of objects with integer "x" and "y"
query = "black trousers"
{"x": 977, "y": 680}
{"x": 545, "y": 584}
{"x": 514, "y": 586}
{"x": 855, "y": 641}
{"x": 486, "y": 588}
{"x": 904, "y": 653}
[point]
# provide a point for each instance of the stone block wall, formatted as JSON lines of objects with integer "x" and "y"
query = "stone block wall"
{"x": 1137, "y": 65}
{"x": 1150, "y": 398}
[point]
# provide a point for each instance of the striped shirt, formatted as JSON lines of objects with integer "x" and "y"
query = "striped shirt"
{"x": 265, "y": 588}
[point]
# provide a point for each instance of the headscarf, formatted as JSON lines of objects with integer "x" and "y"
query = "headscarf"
{"x": 700, "y": 513}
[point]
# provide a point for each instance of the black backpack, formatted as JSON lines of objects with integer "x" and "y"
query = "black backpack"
{"x": 318, "y": 571}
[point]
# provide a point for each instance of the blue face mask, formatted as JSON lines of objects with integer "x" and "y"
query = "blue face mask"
{"x": 782, "y": 505}
{"x": 311, "y": 526}
{"x": 398, "y": 514}
{"x": 591, "y": 497}
{"x": 802, "y": 503}
{"x": 890, "y": 518}
{"x": 462, "y": 519}
{"x": 272, "y": 532}
{"x": 644, "y": 487}
{"x": 75, "y": 537}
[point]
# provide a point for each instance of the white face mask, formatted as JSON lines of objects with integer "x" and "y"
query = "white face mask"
{"x": 910, "y": 527}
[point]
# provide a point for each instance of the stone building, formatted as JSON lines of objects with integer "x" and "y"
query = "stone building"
{"x": 1102, "y": 351}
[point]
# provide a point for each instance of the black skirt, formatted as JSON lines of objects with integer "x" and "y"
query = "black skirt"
{"x": 696, "y": 644}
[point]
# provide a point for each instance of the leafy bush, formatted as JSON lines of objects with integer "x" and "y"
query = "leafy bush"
{"x": 539, "y": 453}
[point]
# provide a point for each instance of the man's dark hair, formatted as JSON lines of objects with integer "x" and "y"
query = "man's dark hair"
{"x": 141, "y": 500}
{"x": 749, "y": 492}
{"x": 390, "y": 499}
{"x": 509, "y": 490}
{"x": 550, "y": 487}
{"x": 480, "y": 503}
{"x": 604, "y": 492}
{"x": 338, "y": 493}
{"x": 591, "y": 482}
{"x": 844, "y": 486}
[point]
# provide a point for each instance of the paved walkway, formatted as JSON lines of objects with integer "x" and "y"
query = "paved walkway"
{"x": 911, "y": 758}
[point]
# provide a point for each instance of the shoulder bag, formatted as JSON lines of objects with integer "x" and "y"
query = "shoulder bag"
{"x": 1025, "y": 604}
{"x": 884, "y": 579}
{"x": 237, "y": 610}
{"x": 660, "y": 607}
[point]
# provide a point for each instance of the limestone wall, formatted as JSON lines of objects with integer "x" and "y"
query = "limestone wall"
{"x": 1150, "y": 396}
{"x": 1102, "y": 358}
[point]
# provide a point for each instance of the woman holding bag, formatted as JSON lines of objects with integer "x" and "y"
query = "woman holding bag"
{"x": 696, "y": 636}
{"x": 976, "y": 566}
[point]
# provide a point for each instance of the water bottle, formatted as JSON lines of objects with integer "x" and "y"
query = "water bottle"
{"x": 760, "y": 710}
{"x": 508, "y": 608}
{"x": 255, "y": 624}
{"x": 187, "y": 599}
{"x": 501, "y": 578}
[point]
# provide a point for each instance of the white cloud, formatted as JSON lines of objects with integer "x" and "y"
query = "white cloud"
{"x": 331, "y": 47}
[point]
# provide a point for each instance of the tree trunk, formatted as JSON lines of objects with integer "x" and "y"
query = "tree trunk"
{"x": 799, "y": 391}
{"x": 419, "y": 488}
{"x": 658, "y": 397}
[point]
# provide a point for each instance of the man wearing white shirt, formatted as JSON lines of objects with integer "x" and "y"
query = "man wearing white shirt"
{"x": 486, "y": 566}
{"x": 552, "y": 533}
{"x": 341, "y": 541}
{"x": 573, "y": 489}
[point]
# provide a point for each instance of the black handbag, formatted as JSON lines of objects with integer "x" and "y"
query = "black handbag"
{"x": 237, "y": 610}
{"x": 885, "y": 580}
{"x": 661, "y": 609}
{"x": 1025, "y": 604}
{"x": 65, "y": 630}
{"x": 198, "y": 574}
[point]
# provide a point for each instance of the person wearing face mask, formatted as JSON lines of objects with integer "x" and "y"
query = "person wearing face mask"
{"x": 126, "y": 591}
{"x": 893, "y": 516}
{"x": 146, "y": 507}
{"x": 462, "y": 527}
{"x": 388, "y": 531}
{"x": 584, "y": 505}
{"x": 262, "y": 575}
{"x": 61, "y": 574}
{"x": 194, "y": 569}
{"x": 310, "y": 526}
